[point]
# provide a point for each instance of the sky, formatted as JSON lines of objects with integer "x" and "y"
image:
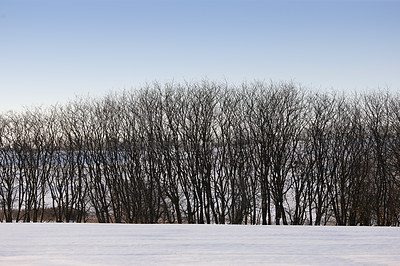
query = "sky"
{"x": 52, "y": 51}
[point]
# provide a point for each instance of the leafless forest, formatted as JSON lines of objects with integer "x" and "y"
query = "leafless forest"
{"x": 205, "y": 152}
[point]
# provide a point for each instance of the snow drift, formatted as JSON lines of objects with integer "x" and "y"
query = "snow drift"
{"x": 122, "y": 244}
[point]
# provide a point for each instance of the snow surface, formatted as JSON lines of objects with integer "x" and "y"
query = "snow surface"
{"x": 123, "y": 244}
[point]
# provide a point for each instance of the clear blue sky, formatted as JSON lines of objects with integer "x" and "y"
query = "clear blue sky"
{"x": 52, "y": 50}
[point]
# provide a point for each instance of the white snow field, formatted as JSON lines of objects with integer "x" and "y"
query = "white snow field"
{"x": 122, "y": 244}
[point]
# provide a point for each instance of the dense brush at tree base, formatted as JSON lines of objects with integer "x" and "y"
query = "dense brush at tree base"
{"x": 205, "y": 152}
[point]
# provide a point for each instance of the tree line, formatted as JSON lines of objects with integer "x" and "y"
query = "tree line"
{"x": 205, "y": 152}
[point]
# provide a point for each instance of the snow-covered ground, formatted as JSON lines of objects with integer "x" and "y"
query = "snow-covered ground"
{"x": 113, "y": 244}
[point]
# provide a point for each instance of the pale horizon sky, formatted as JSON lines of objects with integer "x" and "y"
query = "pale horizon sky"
{"x": 52, "y": 51}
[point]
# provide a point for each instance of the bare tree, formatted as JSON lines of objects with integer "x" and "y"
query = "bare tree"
{"x": 205, "y": 152}
{"x": 8, "y": 169}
